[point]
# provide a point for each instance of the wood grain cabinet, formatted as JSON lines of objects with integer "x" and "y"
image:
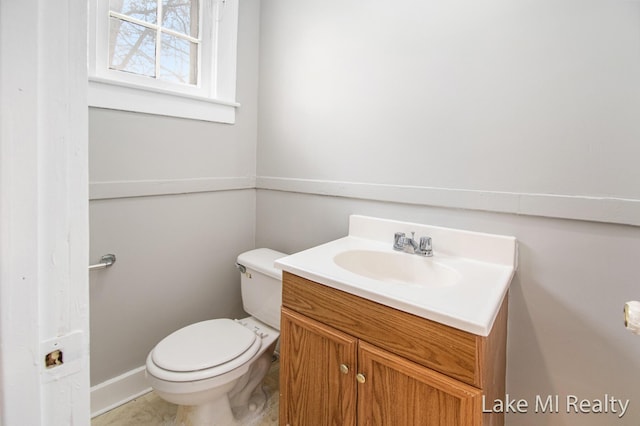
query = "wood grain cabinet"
{"x": 347, "y": 361}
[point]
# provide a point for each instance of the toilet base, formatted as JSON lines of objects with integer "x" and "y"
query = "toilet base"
{"x": 240, "y": 406}
{"x": 214, "y": 413}
{"x": 247, "y": 396}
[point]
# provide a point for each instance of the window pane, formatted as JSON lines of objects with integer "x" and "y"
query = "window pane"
{"x": 179, "y": 60}
{"x": 132, "y": 48}
{"x": 144, "y": 10}
{"x": 181, "y": 16}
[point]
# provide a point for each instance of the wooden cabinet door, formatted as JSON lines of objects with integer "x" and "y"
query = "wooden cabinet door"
{"x": 399, "y": 392}
{"x": 317, "y": 373}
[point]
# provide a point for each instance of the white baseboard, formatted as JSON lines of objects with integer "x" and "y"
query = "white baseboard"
{"x": 117, "y": 391}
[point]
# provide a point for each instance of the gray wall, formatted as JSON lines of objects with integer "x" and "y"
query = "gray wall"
{"x": 390, "y": 109}
{"x": 527, "y": 97}
{"x": 174, "y": 199}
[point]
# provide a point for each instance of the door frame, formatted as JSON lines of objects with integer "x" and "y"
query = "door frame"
{"x": 44, "y": 233}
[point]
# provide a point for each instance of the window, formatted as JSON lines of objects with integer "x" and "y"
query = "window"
{"x": 156, "y": 39}
{"x": 167, "y": 57}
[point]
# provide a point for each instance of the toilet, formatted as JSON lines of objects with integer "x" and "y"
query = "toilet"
{"x": 214, "y": 369}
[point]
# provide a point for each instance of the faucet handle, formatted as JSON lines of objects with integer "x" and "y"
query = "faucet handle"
{"x": 426, "y": 248}
{"x": 398, "y": 241}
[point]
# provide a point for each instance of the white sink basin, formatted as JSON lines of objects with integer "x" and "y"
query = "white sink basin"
{"x": 397, "y": 268}
{"x": 462, "y": 285}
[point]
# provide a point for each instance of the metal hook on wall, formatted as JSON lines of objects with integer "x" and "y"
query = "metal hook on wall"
{"x": 105, "y": 261}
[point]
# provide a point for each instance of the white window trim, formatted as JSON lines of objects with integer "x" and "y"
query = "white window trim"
{"x": 122, "y": 91}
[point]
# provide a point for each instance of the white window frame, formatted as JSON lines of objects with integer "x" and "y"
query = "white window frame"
{"x": 212, "y": 99}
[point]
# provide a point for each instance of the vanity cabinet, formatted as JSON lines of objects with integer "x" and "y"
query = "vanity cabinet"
{"x": 346, "y": 360}
{"x": 317, "y": 373}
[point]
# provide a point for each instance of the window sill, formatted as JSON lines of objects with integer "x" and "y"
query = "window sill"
{"x": 113, "y": 95}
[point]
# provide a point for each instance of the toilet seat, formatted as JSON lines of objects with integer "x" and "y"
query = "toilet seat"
{"x": 203, "y": 350}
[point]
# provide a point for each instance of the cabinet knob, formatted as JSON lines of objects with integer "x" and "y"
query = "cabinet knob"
{"x": 344, "y": 368}
{"x": 361, "y": 378}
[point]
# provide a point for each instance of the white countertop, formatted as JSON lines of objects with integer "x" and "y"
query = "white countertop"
{"x": 470, "y": 304}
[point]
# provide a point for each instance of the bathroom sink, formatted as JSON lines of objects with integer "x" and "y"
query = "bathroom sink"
{"x": 397, "y": 268}
{"x": 463, "y": 285}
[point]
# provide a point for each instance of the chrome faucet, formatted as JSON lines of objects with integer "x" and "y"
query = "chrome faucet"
{"x": 408, "y": 244}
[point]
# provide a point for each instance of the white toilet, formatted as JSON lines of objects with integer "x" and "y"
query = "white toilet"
{"x": 214, "y": 369}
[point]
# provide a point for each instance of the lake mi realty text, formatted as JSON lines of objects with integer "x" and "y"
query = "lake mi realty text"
{"x": 556, "y": 404}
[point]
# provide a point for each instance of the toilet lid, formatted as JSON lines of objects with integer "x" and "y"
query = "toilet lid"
{"x": 203, "y": 345}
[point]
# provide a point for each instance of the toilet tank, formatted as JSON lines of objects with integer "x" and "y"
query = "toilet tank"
{"x": 261, "y": 285}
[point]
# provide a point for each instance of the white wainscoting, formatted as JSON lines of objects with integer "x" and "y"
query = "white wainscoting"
{"x": 143, "y": 188}
{"x": 575, "y": 207}
{"x": 597, "y": 209}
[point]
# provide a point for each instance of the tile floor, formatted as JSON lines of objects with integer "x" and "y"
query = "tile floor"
{"x": 151, "y": 410}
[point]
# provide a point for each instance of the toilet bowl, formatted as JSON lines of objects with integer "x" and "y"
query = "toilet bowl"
{"x": 214, "y": 369}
